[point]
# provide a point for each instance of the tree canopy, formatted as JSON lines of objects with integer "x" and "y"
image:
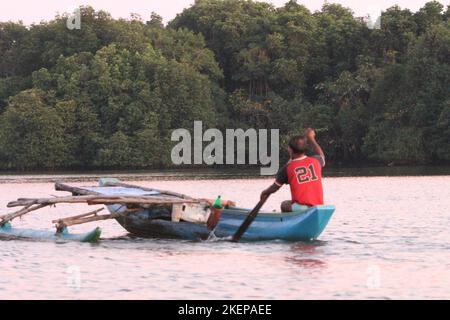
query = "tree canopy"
{"x": 109, "y": 95}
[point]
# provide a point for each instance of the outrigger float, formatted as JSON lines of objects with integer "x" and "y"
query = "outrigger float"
{"x": 154, "y": 213}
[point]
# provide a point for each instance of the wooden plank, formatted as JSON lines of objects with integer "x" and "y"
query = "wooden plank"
{"x": 79, "y": 216}
{"x": 71, "y": 221}
{"x": 74, "y": 190}
{"x": 126, "y": 185}
{"x": 138, "y": 201}
{"x": 101, "y": 199}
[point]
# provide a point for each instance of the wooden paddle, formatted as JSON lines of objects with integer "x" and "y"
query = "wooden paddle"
{"x": 247, "y": 222}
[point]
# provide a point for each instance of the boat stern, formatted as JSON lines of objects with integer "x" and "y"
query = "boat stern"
{"x": 317, "y": 220}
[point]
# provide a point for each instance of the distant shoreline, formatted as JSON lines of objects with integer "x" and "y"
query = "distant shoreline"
{"x": 211, "y": 173}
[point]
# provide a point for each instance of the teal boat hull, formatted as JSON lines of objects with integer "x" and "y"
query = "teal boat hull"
{"x": 293, "y": 226}
{"x": 9, "y": 232}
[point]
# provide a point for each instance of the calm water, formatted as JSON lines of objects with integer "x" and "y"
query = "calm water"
{"x": 389, "y": 238}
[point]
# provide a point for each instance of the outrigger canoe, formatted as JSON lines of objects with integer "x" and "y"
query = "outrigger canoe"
{"x": 8, "y": 232}
{"x": 156, "y": 221}
{"x": 153, "y": 213}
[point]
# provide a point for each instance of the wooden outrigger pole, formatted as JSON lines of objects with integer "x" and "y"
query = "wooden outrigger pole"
{"x": 128, "y": 203}
{"x": 133, "y": 203}
{"x": 27, "y": 209}
{"x": 98, "y": 199}
{"x": 92, "y": 216}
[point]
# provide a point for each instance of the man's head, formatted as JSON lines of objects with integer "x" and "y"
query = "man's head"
{"x": 297, "y": 145}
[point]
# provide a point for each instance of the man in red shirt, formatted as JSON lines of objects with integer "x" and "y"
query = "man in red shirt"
{"x": 302, "y": 173}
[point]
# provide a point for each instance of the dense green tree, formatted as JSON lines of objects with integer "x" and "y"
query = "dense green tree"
{"x": 398, "y": 28}
{"x": 410, "y": 103}
{"x": 430, "y": 14}
{"x": 32, "y": 133}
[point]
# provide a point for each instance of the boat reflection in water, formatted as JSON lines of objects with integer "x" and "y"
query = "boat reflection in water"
{"x": 303, "y": 254}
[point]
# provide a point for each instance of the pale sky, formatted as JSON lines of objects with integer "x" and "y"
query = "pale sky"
{"x": 34, "y": 11}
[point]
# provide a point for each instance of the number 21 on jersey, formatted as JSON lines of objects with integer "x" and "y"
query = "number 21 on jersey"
{"x": 305, "y": 174}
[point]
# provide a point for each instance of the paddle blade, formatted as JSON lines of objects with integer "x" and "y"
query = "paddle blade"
{"x": 248, "y": 221}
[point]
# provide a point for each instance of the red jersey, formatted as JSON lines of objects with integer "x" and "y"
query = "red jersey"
{"x": 304, "y": 175}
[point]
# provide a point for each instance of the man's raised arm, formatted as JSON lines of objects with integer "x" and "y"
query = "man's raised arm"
{"x": 311, "y": 136}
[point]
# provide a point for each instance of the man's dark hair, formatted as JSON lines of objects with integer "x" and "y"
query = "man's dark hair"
{"x": 295, "y": 146}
